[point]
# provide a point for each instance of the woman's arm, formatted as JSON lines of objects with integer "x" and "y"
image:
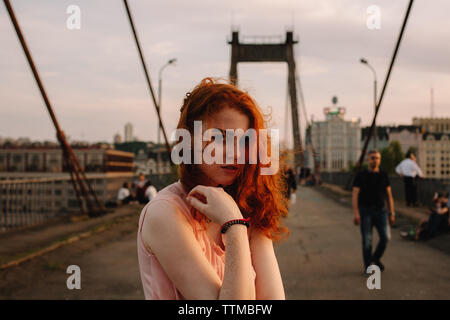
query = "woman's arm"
{"x": 238, "y": 278}
{"x": 269, "y": 285}
{"x": 169, "y": 235}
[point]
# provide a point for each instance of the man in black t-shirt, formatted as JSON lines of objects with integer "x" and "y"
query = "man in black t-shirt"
{"x": 371, "y": 189}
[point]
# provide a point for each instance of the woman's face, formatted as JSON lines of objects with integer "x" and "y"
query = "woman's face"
{"x": 225, "y": 173}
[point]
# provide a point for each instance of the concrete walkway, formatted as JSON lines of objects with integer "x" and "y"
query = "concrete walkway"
{"x": 322, "y": 259}
{"x": 18, "y": 244}
{"x": 107, "y": 259}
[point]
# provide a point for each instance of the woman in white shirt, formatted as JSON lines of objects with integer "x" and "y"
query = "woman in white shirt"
{"x": 124, "y": 196}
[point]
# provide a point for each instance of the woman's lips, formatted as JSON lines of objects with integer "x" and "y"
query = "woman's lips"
{"x": 230, "y": 168}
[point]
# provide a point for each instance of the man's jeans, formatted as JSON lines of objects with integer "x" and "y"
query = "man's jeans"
{"x": 373, "y": 217}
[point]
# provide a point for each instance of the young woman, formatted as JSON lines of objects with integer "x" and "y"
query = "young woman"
{"x": 182, "y": 252}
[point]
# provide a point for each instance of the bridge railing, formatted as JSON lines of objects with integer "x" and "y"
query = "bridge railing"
{"x": 425, "y": 187}
{"x": 30, "y": 201}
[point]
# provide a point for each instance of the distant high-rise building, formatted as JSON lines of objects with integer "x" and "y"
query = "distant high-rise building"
{"x": 128, "y": 132}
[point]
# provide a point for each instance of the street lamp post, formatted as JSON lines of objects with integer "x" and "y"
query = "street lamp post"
{"x": 364, "y": 61}
{"x": 170, "y": 62}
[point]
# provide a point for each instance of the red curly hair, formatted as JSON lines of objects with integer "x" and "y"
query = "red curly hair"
{"x": 260, "y": 197}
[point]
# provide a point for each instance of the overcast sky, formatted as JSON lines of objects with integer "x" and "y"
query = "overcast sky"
{"x": 96, "y": 84}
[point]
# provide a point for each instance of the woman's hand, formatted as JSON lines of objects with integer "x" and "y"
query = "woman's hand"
{"x": 214, "y": 203}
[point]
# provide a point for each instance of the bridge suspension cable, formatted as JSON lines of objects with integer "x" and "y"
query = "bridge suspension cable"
{"x": 315, "y": 155}
{"x": 147, "y": 76}
{"x": 81, "y": 184}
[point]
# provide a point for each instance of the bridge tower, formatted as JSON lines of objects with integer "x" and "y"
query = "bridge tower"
{"x": 271, "y": 52}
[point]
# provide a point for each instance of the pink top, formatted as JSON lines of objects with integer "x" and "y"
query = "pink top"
{"x": 155, "y": 282}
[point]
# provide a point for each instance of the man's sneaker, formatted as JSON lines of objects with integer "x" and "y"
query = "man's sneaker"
{"x": 379, "y": 264}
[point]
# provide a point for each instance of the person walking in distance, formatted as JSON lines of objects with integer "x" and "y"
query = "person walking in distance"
{"x": 371, "y": 189}
{"x": 291, "y": 185}
{"x": 410, "y": 171}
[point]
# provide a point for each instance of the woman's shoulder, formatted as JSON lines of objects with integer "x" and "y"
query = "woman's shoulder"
{"x": 174, "y": 190}
{"x": 159, "y": 218}
{"x": 161, "y": 211}
{"x": 169, "y": 203}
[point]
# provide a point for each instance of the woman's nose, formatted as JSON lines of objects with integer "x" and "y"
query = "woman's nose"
{"x": 234, "y": 152}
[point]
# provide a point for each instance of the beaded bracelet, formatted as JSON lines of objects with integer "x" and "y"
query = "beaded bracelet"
{"x": 228, "y": 224}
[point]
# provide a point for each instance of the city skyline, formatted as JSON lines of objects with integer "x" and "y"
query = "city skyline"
{"x": 96, "y": 85}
